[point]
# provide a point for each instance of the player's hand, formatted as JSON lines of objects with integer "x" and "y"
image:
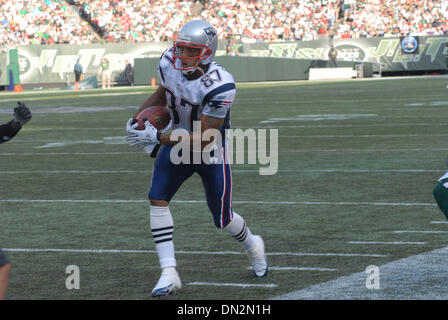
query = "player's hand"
{"x": 143, "y": 137}
{"x": 22, "y": 113}
{"x": 131, "y": 124}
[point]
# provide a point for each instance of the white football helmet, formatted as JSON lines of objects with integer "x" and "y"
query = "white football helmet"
{"x": 199, "y": 35}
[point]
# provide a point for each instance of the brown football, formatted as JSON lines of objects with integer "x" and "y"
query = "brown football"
{"x": 158, "y": 116}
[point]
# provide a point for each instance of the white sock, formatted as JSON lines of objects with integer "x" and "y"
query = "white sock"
{"x": 239, "y": 230}
{"x": 162, "y": 227}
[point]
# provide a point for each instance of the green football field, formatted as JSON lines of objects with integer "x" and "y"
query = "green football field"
{"x": 357, "y": 162}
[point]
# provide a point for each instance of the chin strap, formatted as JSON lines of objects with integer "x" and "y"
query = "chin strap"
{"x": 192, "y": 71}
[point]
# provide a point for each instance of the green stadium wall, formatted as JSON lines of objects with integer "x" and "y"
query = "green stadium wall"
{"x": 251, "y": 69}
{"x": 53, "y": 64}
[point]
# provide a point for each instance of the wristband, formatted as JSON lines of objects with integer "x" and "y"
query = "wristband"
{"x": 158, "y": 135}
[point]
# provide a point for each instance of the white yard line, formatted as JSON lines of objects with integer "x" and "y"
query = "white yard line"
{"x": 352, "y": 150}
{"x": 233, "y": 170}
{"x": 299, "y": 269}
{"x": 418, "y": 277}
{"x": 419, "y": 231}
{"x": 33, "y": 154}
{"x": 61, "y": 95}
{"x": 364, "y": 150}
{"x": 344, "y": 136}
{"x": 393, "y": 204}
{"x": 224, "y": 284}
{"x": 392, "y": 125}
{"x": 73, "y": 171}
{"x": 388, "y": 242}
{"x": 30, "y": 250}
{"x": 322, "y": 136}
{"x": 326, "y": 254}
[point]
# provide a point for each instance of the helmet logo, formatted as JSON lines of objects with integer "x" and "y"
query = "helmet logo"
{"x": 210, "y": 32}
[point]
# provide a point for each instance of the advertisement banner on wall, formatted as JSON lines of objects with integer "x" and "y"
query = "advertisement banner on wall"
{"x": 54, "y": 63}
{"x": 423, "y": 53}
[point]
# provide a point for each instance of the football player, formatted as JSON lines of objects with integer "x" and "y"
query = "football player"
{"x": 5, "y": 267}
{"x": 194, "y": 88}
{"x": 22, "y": 115}
{"x": 440, "y": 193}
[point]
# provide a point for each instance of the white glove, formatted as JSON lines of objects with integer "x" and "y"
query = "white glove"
{"x": 141, "y": 137}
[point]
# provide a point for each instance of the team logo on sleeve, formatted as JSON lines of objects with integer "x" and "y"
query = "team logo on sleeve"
{"x": 218, "y": 103}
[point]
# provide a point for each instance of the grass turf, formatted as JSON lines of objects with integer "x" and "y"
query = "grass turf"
{"x": 348, "y": 155}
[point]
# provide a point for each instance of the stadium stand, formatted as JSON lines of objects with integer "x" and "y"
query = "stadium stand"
{"x": 42, "y": 22}
{"x": 25, "y": 22}
{"x": 385, "y": 18}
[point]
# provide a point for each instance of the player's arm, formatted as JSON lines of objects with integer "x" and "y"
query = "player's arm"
{"x": 22, "y": 115}
{"x": 9, "y": 130}
{"x": 158, "y": 98}
{"x": 207, "y": 122}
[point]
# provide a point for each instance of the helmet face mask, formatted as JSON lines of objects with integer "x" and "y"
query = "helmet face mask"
{"x": 196, "y": 44}
{"x": 190, "y": 55}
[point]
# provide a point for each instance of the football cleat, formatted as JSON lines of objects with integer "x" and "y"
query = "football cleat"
{"x": 258, "y": 258}
{"x": 169, "y": 283}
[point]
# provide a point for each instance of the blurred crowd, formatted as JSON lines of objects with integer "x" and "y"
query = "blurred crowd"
{"x": 90, "y": 21}
{"x": 386, "y": 18}
{"x": 24, "y": 22}
{"x": 136, "y": 20}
